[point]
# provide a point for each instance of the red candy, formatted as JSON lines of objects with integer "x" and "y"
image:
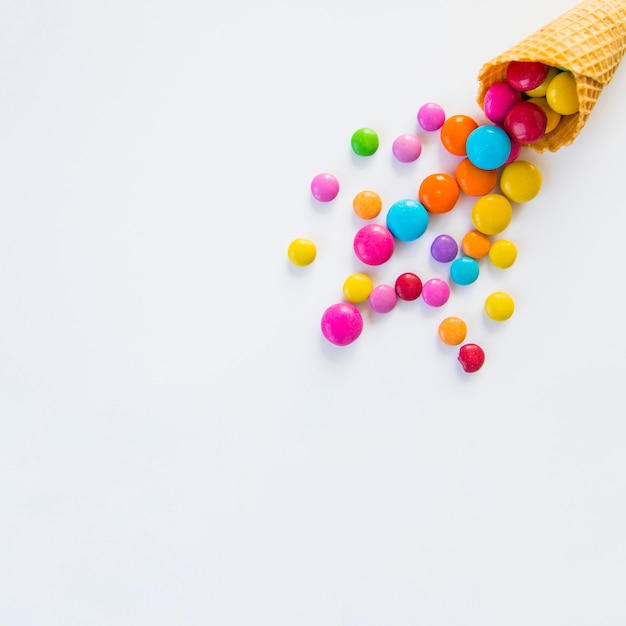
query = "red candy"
{"x": 526, "y": 75}
{"x": 471, "y": 357}
{"x": 525, "y": 122}
{"x": 408, "y": 286}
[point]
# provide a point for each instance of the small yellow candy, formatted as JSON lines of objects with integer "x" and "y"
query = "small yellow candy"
{"x": 357, "y": 287}
{"x": 452, "y": 331}
{"x": 553, "y": 118}
{"x": 562, "y": 94}
{"x": 520, "y": 181}
{"x": 503, "y": 253}
{"x": 301, "y": 252}
{"x": 492, "y": 213}
{"x": 539, "y": 92}
{"x": 499, "y": 306}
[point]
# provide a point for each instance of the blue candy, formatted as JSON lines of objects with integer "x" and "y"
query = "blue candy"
{"x": 407, "y": 219}
{"x": 488, "y": 147}
{"x": 464, "y": 270}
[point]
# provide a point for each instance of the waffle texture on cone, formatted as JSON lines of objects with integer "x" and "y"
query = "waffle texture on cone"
{"x": 589, "y": 40}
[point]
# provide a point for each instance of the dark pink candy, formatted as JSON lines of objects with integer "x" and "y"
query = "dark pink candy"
{"x": 499, "y": 98}
{"x": 525, "y": 122}
{"x": 526, "y": 75}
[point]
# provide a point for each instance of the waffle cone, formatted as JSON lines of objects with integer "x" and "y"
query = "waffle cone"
{"x": 589, "y": 40}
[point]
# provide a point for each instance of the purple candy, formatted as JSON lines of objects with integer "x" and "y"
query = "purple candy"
{"x": 444, "y": 248}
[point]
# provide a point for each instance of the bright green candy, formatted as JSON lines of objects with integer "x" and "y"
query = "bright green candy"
{"x": 364, "y": 142}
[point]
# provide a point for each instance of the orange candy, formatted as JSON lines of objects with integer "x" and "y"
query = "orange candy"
{"x": 475, "y": 244}
{"x": 367, "y": 204}
{"x": 454, "y": 133}
{"x": 452, "y": 331}
{"x": 439, "y": 193}
{"x": 473, "y": 180}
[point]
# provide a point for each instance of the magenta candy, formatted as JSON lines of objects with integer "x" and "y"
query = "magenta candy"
{"x": 342, "y": 323}
{"x": 525, "y": 122}
{"x": 373, "y": 244}
{"x": 526, "y": 75}
{"x": 407, "y": 148}
{"x": 435, "y": 292}
{"x": 324, "y": 187}
{"x": 499, "y": 98}
{"x": 383, "y": 298}
{"x": 431, "y": 116}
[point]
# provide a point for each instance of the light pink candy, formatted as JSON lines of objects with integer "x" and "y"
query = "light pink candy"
{"x": 383, "y": 298}
{"x": 407, "y": 148}
{"x": 324, "y": 187}
{"x": 435, "y": 292}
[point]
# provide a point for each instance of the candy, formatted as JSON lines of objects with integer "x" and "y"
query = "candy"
{"x": 435, "y": 292}
{"x": 407, "y": 148}
{"x": 516, "y": 148}
{"x": 444, "y": 248}
{"x": 342, "y": 323}
{"x": 373, "y": 244}
{"x": 488, "y": 147}
{"x": 383, "y": 299}
{"x": 502, "y": 253}
{"x": 367, "y": 204}
{"x": 492, "y": 213}
{"x": 475, "y": 244}
{"x": 324, "y": 187}
{"x": 464, "y": 270}
{"x": 431, "y": 116}
{"x": 552, "y": 117}
{"x": 364, "y": 142}
{"x": 526, "y": 75}
{"x": 357, "y": 287}
{"x": 499, "y": 306}
{"x": 407, "y": 219}
{"x": 408, "y": 286}
{"x": 526, "y": 122}
{"x": 562, "y": 94}
{"x": 471, "y": 357}
{"x": 439, "y": 193}
{"x": 473, "y": 180}
{"x": 452, "y": 331}
{"x": 540, "y": 91}
{"x": 499, "y": 98}
{"x": 520, "y": 181}
{"x": 454, "y": 133}
{"x": 301, "y": 251}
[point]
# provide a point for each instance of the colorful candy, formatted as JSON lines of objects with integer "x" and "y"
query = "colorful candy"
{"x": 471, "y": 357}
{"x": 439, "y": 193}
{"x": 444, "y": 248}
{"x": 357, "y": 287}
{"x": 502, "y": 253}
{"x": 407, "y": 219}
{"x": 383, "y": 299}
{"x": 407, "y": 148}
{"x": 552, "y": 117}
{"x": 526, "y": 122}
{"x": 473, "y": 180}
{"x": 342, "y": 323}
{"x": 562, "y": 94}
{"x": 364, "y": 142}
{"x": 464, "y": 270}
{"x": 452, "y": 331}
{"x": 324, "y": 187}
{"x": 367, "y": 204}
{"x": 540, "y": 91}
{"x": 499, "y": 306}
{"x": 520, "y": 181}
{"x": 492, "y": 213}
{"x": 435, "y": 292}
{"x": 431, "y": 116}
{"x": 488, "y": 147}
{"x": 526, "y": 75}
{"x": 499, "y": 98}
{"x": 373, "y": 244}
{"x": 454, "y": 133}
{"x": 408, "y": 286}
{"x": 475, "y": 244}
{"x": 301, "y": 251}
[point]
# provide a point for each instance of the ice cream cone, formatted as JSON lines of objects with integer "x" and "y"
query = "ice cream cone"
{"x": 589, "y": 40}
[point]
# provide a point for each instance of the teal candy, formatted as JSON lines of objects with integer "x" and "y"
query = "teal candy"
{"x": 464, "y": 270}
{"x": 488, "y": 147}
{"x": 407, "y": 219}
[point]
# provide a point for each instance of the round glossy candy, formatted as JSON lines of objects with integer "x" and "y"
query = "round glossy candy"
{"x": 452, "y": 331}
{"x": 342, "y": 323}
{"x": 488, "y": 147}
{"x": 499, "y": 306}
{"x": 526, "y": 122}
{"x": 499, "y": 98}
{"x": 407, "y": 148}
{"x": 502, "y": 253}
{"x": 475, "y": 244}
{"x": 562, "y": 94}
{"x": 540, "y": 91}
{"x": 473, "y": 180}
{"x": 431, "y": 116}
{"x": 324, "y": 187}
{"x": 435, "y": 292}
{"x": 367, "y": 204}
{"x": 552, "y": 117}
{"x": 408, "y": 286}
{"x": 526, "y": 75}
{"x": 471, "y": 357}
{"x": 439, "y": 193}
{"x": 444, "y": 248}
{"x": 373, "y": 244}
{"x": 301, "y": 251}
{"x": 364, "y": 142}
{"x": 492, "y": 213}
{"x": 407, "y": 219}
{"x": 383, "y": 299}
{"x": 464, "y": 270}
{"x": 357, "y": 287}
{"x": 454, "y": 133}
{"x": 520, "y": 181}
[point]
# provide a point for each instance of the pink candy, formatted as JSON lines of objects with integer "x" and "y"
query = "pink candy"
{"x": 407, "y": 148}
{"x": 499, "y": 98}
{"x": 342, "y": 323}
{"x": 383, "y": 298}
{"x": 435, "y": 292}
{"x": 324, "y": 187}
{"x": 373, "y": 244}
{"x": 431, "y": 116}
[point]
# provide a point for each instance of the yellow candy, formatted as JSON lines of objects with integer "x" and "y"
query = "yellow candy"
{"x": 562, "y": 94}
{"x": 357, "y": 287}
{"x": 520, "y": 181}
{"x": 503, "y": 253}
{"x": 539, "y": 92}
{"x": 301, "y": 252}
{"x": 491, "y": 214}
{"x": 499, "y": 306}
{"x": 552, "y": 116}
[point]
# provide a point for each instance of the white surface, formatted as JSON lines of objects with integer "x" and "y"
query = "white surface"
{"x": 178, "y": 445}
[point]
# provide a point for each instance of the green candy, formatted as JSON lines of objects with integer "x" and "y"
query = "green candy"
{"x": 364, "y": 142}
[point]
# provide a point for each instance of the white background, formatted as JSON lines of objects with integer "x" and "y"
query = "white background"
{"x": 178, "y": 443}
